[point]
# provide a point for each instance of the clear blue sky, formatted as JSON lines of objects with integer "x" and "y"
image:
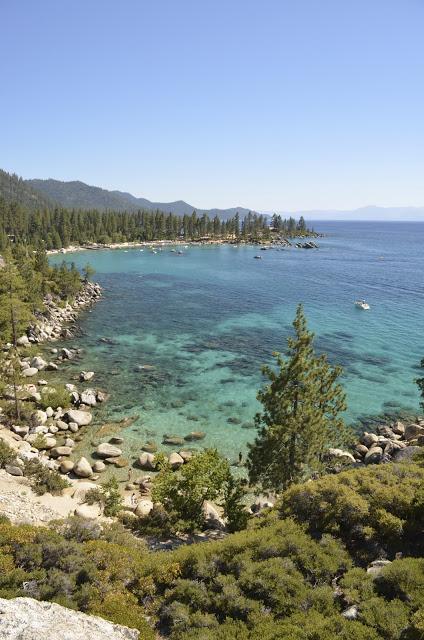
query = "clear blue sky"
{"x": 271, "y": 104}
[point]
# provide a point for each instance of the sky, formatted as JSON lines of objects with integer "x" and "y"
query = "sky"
{"x": 270, "y": 104}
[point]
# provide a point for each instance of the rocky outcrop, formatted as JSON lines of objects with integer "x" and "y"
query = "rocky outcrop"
{"x": 59, "y": 321}
{"x": 28, "y": 619}
{"x": 395, "y": 441}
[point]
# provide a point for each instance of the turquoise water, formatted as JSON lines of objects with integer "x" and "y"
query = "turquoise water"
{"x": 204, "y": 322}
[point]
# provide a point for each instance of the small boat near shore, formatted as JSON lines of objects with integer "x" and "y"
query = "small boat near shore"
{"x": 361, "y": 304}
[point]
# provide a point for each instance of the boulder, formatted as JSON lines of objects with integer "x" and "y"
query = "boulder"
{"x": 13, "y": 470}
{"x": 39, "y": 417}
{"x": 49, "y": 412}
{"x": 22, "y": 341}
{"x": 85, "y": 376}
{"x": 376, "y": 567}
{"x": 150, "y": 447}
{"x": 186, "y": 455}
{"x": 147, "y": 461}
{"x": 99, "y": 466}
{"x": 20, "y": 430}
{"x": 61, "y": 425}
{"x": 344, "y": 456}
{"x": 56, "y": 452}
{"x": 30, "y": 619}
{"x": 81, "y": 490}
{"x": 66, "y": 354}
{"x": 88, "y": 511}
{"x": 88, "y": 397}
{"x": 143, "y": 508}
{"x": 28, "y": 373}
{"x": 195, "y": 435}
{"x": 351, "y": 613}
{"x": 406, "y": 454}
{"x": 51, "y": 366}
{"x": 80, "y": 418}
{"x": 70, "y": 387}
{"x": 106, "y": 450}
{"x": 82, "y": 468}
{"x": 101, "y": 396}
{"x": 116, "y": 440}
{"x": 412, "y": 431}
{"x": 361, "y": 449}
{"x": 368, "y": 439}
{"x": 175, "y": 460}
{"x": 66, "y": 466}
{"x": 374, "y": 455}
{"x": 398, "y": 428}
{"x": 212, "y": 516}
{"x": 173, "y": 440}
{"x": 38, "y": 363}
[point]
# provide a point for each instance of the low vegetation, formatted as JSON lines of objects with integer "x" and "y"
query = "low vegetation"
{"x": 290, "y": 575}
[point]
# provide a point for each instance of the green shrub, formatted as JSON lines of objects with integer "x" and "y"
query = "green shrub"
{"x": 43, "y": 480}
{"x": 54, "y": 398}
{"x": 7, "y": 454}
{"x": 108, "y": 496}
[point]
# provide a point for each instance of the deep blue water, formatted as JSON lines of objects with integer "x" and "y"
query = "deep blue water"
{"x": 206, "y": 321}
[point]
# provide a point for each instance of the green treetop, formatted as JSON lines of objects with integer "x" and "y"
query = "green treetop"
{"x": 301, "y": 413}
{"x": 15, "y": 308}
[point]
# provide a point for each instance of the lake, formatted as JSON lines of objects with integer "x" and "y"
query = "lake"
{"x": 187, "y": 334}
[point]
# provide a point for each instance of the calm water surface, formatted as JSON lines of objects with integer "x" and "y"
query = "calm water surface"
{"x": 205, "y": 321}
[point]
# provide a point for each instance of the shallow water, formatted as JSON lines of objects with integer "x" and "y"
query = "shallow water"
{"x": 204, "y": 322}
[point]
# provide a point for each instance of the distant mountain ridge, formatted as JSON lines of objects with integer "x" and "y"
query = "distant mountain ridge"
{"x": 79, "y": 195}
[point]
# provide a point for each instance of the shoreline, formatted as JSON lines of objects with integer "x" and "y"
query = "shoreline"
{"x": 95, "y": 246}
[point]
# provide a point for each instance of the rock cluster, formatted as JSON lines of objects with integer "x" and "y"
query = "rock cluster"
{"x": 395, "y": 441}
{"x": 56, "y": 321}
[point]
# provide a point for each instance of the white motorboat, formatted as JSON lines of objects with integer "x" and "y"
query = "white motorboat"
{"x": 361, "y": 304}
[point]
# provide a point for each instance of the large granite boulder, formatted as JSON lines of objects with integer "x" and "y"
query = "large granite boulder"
{"x": 106, "y": 450}
{"x": 81, "y": 418}
{"x": 82, "y": 468}
{"x": 28, "y": 619}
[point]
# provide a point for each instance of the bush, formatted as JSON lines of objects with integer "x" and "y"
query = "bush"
{"x": 108, "y": 496}
{"x": 364, "y": 507}
{"x": 54, "y": 398}
{"x": 7, "y": 454}
{"x": 43, "y": 480}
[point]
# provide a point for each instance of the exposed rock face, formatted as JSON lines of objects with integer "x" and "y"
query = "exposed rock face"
{"x": 28, "y": 619}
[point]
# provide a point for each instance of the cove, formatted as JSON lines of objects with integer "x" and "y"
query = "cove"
{"x": 180, "y": 339}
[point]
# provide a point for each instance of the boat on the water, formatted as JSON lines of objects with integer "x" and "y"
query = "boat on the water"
{"x": 258, "y": 257}
{"x": 361, "y": 304}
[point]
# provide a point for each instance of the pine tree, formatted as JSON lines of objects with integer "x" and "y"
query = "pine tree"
{"x": 15, "y": 313}
{"x": 301, "y": 414}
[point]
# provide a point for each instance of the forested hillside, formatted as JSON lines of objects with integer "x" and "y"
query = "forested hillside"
{"x": 78, "y": 195}
{"x": 15, "y": 189}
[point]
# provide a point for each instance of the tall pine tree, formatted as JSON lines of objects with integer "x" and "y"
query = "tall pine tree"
{"x": 301, "y": 414}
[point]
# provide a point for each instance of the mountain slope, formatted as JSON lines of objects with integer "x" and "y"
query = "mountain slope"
{"x": 83, "y": 196}
{"x": 15, "y": 189}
